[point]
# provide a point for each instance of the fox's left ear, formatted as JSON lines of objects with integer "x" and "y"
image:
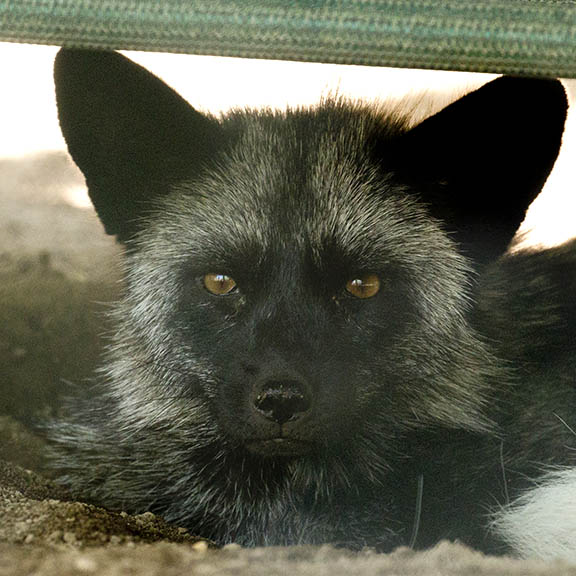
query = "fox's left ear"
{"x": 130, "y": 134}
{"x": 480, "y": 162}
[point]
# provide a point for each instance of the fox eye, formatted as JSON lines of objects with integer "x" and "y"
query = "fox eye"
{"x": 364, "y": 286}
{"x": 219, "y": 284}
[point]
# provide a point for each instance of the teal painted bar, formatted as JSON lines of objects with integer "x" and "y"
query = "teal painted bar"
{"x": 530, "y": 37}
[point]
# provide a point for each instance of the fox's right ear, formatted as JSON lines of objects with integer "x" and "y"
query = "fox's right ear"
{"x": 480, "y": 162}
{"x": 129, "y": 133}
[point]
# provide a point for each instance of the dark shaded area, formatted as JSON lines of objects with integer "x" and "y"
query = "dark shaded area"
{"x": 58, "y": 272}
{"x": 50, "y": 335}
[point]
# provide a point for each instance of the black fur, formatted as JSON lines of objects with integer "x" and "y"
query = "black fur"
{"x": 416, "y": 405}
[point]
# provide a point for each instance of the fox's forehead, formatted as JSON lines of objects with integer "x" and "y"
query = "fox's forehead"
{"x": 306, "y": 182}
{"x": 319, "y": 209}
{"x": 295, "y": 169}
{"x": 301, "y": 138}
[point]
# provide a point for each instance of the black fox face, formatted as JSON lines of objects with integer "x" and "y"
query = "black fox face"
{"x": 283, "y": 280}
{"x": 300, "y": 283}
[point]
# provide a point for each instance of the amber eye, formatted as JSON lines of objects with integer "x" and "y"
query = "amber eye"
{"x": 219, "y": 284}
{"x": 364, "y": 286}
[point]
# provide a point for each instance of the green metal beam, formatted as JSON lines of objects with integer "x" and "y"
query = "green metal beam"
{"x": 529, "y": 37}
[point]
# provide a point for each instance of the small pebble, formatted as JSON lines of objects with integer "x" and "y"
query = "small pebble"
{"x": 85, "y": 564}
{"x": 200, "y": 546}
{"x": 21, "y": 527}
{"x": 55, "y": 536}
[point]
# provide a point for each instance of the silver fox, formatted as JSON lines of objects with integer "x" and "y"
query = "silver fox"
{"x": 322, "y": 338}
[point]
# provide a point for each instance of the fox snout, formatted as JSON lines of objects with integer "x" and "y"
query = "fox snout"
{"x": 281, "y": 401}
{"x": 279, "y": 417}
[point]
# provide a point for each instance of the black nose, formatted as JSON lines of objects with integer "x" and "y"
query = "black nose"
{"x": 282, "y": 400}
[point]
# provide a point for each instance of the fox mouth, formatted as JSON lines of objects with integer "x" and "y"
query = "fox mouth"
{"x": 278, "y": 447}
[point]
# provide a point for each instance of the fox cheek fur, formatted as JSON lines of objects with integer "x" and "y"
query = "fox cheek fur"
{"x": 287, "y": 409}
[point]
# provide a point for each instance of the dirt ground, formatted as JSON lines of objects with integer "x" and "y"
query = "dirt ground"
{"x": 58, "y": 274}
{"x": 44, "y": 533}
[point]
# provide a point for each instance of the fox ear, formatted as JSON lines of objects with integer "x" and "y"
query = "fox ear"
{"x": 129, "y": 133}
{"x": 481, "y": 161}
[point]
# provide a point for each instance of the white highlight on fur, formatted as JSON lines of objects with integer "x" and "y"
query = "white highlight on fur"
{"x": 542, "y": 522}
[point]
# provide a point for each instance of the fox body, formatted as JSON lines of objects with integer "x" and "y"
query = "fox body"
{"x": 320, "y": 338}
